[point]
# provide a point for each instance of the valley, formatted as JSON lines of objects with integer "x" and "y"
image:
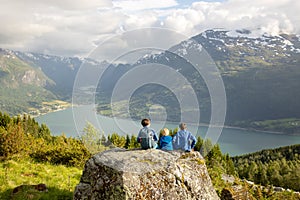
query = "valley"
{"x": 260, "y": 73}
{"x": 79, "y": 79}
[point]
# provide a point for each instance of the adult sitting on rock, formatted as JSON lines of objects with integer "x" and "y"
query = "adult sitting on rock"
{"x": 183, "y": 138}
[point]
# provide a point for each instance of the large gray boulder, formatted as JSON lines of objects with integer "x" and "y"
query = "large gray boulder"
{"x": 145, "y": 174}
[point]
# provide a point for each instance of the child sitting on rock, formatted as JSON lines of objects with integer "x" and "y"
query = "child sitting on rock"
{"x": 165, "y": 142}
{"x": 147, "y": 137}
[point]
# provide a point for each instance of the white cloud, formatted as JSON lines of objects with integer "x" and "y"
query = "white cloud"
{"x": 72, "y": 27}
{"x": 184, "y": 20}
{"x": 134, "y": 21}
{"x": 61, "y": 4}
{"x": 262, "y": 14}
{"x": 39, "y": 25}
{"x": 131, "y": 44}
{"x": 134, "y": 5}
{"x": 267, "y": 15}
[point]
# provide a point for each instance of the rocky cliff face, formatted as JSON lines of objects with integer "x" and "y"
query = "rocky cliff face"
{"x": 145, "y": 174}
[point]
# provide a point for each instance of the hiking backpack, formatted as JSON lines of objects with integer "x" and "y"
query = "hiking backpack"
{"x": 146, "y": 137}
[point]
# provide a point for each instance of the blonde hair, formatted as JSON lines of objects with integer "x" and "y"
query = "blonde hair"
{"x": 165, "y": 132}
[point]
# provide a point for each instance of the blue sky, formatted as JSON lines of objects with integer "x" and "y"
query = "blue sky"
{"x": 189, "y": 2}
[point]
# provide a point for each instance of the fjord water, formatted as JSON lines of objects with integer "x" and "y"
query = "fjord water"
{"x": 233, "y": 141}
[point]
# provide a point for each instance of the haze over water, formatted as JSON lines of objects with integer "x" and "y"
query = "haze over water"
{"x": 232, "y": 141}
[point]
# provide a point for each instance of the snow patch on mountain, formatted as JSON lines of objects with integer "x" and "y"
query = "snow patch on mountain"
{"x": 287, "y": 42}
{"x": 187, "y": 45}
{"x": 254, "y": 39}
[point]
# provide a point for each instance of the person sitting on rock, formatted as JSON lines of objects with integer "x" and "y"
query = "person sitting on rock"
{"x": 183, "y": 138}
{"x": 165, "y": 142}
{"x": 147, "y": 137}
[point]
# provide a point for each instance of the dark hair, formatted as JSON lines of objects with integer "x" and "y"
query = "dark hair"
{"x": 145, "y": 122}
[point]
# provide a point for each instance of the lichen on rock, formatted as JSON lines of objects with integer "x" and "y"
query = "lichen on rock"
{"x": 145, "y": 174}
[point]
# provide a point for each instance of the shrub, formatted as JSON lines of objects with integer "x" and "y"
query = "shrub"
{"x": 66, "y": 151}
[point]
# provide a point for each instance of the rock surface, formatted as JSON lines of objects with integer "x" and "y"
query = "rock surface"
{"x": 145, "y": 174}
{"x": 236, "y": 192}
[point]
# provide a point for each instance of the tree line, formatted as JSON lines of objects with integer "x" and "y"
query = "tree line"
{"x": 22, "y": 137}
{"x": 278, "y": 167}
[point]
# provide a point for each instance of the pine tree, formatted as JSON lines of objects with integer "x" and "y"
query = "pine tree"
{"x": 133, "y": 143}
{"x": 5, "y": 119}
{"x": 173, "y": 132}
{"x": 206, "y": 147}
{"x": 199, "y": 144}
{"x": 91, "y": 138}
{"x": 229, "y": 165}
{"x": 103, "y": 140}
{"x": 127, "y": 143}
{"x": 118, "y": 141}
{"x": 44, "y": 132}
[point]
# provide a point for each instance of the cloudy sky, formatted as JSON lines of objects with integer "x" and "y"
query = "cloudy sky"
{"x": 75, "y": 27}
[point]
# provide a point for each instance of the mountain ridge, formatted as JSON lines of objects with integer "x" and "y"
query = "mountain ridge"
{"x": 22, "y": 86}
{"x": 261, "y": 76}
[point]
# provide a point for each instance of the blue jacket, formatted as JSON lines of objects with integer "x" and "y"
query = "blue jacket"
{"x": 165, "y": 143}
{"x": 184, "y": 140}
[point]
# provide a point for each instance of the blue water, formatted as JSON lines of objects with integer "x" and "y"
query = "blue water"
{"x": 233, "y": 141}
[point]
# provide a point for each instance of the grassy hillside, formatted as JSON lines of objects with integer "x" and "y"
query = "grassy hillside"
{"x": 23, "y": 87}
{"x": 60, "y": 180}
{"x": 29, "y": 154}
{"x": 59, "y": 69}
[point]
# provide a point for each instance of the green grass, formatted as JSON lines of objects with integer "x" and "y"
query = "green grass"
{"x": 17, "y": 96}
{"x": 60, "y": 180}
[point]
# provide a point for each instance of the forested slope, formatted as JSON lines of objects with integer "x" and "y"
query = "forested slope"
{"x": 278, "y": 167}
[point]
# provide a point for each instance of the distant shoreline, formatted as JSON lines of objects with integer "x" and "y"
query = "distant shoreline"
{"x": 51, "y": 107}
{"x": 264, "y": 131}
{"x": 257, "y": 130}
{"x": 201, "y": 124}
{"x": 52, "y": 111}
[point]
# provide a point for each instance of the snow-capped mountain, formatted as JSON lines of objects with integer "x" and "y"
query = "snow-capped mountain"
{"x": 238, "y": 44}
{"x": 261, "y": 75}
{"x": 242, "y": 43}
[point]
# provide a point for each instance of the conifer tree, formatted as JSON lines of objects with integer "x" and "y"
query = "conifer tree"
{"x": 127, "y": 143}
{"x": 91, "y": 138}
{"x": 133, "y": 143}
